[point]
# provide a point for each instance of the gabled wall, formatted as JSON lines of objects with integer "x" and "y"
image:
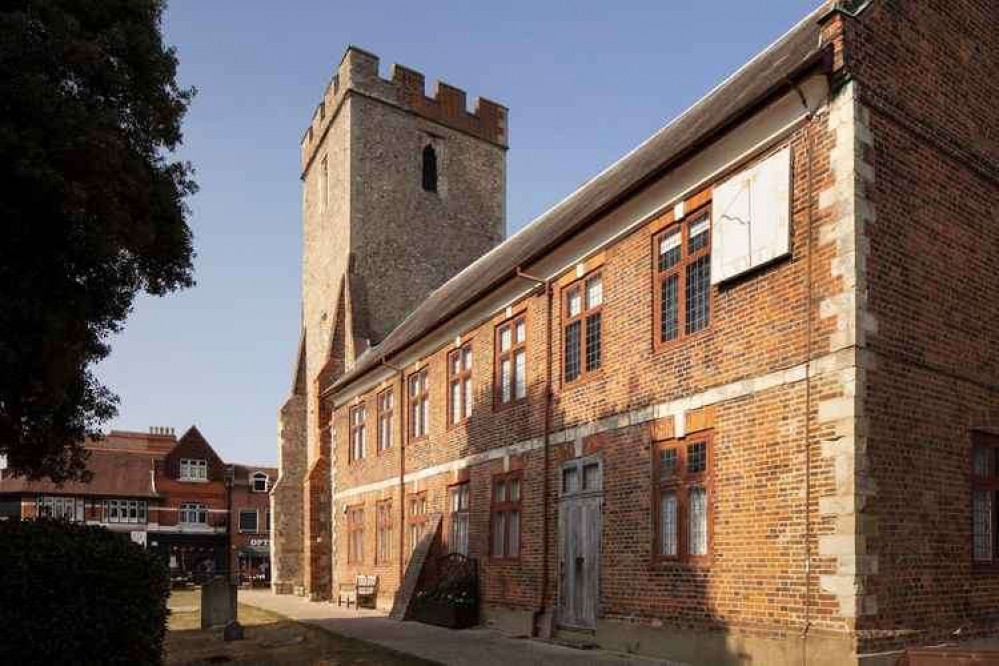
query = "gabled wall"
{"x": 193, "y": 445}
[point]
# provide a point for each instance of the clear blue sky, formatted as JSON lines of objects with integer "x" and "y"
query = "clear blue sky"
{"x": 585, "y": 82}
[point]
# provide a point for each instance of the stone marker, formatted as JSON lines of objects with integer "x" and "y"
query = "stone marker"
{"x": 218, "y": 603}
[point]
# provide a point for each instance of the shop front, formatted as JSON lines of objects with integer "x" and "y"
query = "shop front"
{"x": 192, "y": 558}
{"x": 253, "y": 562}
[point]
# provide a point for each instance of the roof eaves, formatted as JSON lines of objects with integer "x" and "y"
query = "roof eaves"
{"x": 780, "y": 82}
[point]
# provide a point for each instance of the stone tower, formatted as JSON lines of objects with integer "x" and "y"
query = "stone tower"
{"x": 400, "y": 191}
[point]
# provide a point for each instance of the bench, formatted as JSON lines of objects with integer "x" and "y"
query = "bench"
{"x": 346, "y": 593}
{"x": 362, "y": 592}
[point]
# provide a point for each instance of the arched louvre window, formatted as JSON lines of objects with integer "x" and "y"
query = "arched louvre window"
{"x": 429, "y": 168}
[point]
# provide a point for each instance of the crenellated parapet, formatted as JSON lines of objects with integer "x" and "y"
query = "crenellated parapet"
{"x": 406, "y": 89}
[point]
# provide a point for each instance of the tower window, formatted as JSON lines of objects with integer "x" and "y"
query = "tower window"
{"x": 429, "y": 168}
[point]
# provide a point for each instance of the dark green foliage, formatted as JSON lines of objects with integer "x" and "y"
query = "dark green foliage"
{"x": 92, "y": 213}
{"x": 76, "y": 594}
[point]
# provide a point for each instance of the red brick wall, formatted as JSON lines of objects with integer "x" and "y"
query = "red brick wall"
{"x": 192, "y": 445}
{"x": 212, "y": 494}
{"x": 925, "y": 73}
{"x": 756, "y": 577}
{"x": 243, "y": 498}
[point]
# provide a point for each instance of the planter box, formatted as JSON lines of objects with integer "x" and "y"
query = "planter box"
{"x": 441, "y": 614}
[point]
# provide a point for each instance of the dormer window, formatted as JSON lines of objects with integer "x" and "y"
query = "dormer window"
{"x": 259, "y": 482}
{"x": 193, "y": 469}
{"x": 429, "y": 168}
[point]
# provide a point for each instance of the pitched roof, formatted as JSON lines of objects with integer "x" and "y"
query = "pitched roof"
{"x": 150, "y": 442}
{"x": 116, "y": 474}
{"x": 242, "y": 472}
{"x": 757, "y": 81}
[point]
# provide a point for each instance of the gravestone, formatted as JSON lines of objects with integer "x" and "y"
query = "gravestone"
{"x": 218, "y": 603}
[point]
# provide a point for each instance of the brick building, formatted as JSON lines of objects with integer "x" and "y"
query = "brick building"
{"x": 732, "y": 400}
{"x": 251, "y": 520}
{"x": 168, "y": 494}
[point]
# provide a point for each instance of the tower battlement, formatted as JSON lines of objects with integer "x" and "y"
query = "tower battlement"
{"x": 406, "y": 89}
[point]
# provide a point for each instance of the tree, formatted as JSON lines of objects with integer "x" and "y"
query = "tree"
{"x": 93, "y": 211}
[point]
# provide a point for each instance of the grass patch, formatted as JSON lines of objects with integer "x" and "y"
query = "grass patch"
{"x": 271, "y": 639}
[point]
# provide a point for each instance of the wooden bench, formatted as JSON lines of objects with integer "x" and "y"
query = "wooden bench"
{"x": 362, "y": 592}
{"x": 347, "y": 593}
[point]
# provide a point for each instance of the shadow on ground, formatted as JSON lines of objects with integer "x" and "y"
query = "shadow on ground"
{"x": 271, "y": 640}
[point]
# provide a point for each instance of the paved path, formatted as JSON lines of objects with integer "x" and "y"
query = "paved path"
{"x": 482, "y": 647}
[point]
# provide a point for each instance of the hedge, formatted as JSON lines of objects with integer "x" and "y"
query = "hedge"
{"x": 76, "y": 594}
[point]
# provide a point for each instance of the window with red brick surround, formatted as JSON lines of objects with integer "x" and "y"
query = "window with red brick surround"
{"x": 682, "y": 299}
{"x": 681, "y": 499}
{"x": 582, "y": 333}
{"x": 416, "y": 518}
{"x": 984, "y": 487}
{"x": 383, "y": 532}
{"x": 505, "y": 515}
{"x": 511, "y": 360}
{"x": 386, "y": 408}
{"x": 459, "y": 382}
{"x": 419, "y": 404}
{"x": 355, "y": 535}
{"x": 358, "y": 432}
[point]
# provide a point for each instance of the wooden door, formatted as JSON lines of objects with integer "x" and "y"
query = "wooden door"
{"x": 580, "y": 534}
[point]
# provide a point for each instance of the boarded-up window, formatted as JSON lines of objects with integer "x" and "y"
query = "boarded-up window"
{"x": 751, "y": 217}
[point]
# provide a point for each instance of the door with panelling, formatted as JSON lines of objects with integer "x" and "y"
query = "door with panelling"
{"x": 580, "y": 528}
